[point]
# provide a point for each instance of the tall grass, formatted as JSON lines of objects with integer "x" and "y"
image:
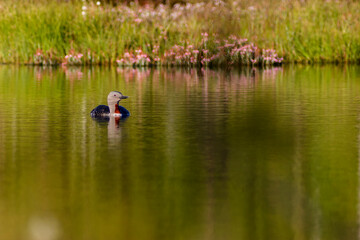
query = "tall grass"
{"x": 87, "y": 33}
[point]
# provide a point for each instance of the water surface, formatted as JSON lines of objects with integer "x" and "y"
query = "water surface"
{"x": 206, "y": 154}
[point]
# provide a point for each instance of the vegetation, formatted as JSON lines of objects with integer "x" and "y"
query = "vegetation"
{"x": 192, "y": 34}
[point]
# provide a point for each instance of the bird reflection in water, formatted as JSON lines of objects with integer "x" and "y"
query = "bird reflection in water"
{"x": 114, "y": 125}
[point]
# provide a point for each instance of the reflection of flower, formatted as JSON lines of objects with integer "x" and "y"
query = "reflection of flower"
{"x": 73, "y": 73}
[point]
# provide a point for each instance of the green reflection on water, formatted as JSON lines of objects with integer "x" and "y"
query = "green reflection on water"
{"x": 246, "y": 154}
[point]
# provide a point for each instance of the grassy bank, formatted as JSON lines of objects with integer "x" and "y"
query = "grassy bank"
{"x": 236, "y": 32}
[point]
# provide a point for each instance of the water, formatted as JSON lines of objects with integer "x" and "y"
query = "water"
{"x": 241, "y": 154}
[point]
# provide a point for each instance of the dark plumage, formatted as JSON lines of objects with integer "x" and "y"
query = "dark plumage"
{"x": 124, "y": 112}
{"x": 100, "y": 111}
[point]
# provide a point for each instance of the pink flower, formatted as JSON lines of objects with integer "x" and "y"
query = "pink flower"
{"x": 196, "y": 51}
{"x": 138, "y": 20}
{"x": 253, "y": 60}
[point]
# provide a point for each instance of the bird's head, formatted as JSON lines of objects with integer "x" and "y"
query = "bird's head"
{"x": 114, "y": 97}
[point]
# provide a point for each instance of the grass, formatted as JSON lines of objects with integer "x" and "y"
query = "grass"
{"x": 42, "y": 32}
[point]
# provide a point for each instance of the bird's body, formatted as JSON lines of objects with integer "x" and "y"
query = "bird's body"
{"x": 103, "y": 110}
{"x": 114, "y": 109}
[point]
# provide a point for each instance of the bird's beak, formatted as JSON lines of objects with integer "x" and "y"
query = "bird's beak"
{"x": 123, "y": 97}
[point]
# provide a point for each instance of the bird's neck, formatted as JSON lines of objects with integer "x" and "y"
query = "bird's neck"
{"x": 117, "y": 111}
{"x": 114, "y": 108}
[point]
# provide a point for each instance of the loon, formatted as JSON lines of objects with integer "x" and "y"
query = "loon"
{"x": 114, "y": 109}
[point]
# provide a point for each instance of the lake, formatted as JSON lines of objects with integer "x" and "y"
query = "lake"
{"x": 206, "y": 154}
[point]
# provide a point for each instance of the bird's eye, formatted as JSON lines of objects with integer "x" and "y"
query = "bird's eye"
{"x": 114, "y": 95}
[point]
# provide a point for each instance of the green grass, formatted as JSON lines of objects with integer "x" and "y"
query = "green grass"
{"x": 300, "y": 31}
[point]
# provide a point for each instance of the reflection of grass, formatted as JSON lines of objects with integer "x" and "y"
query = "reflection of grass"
{"x": 311, "y": 31}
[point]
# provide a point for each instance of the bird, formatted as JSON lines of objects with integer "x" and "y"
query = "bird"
{"x": 114, "y": 109}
